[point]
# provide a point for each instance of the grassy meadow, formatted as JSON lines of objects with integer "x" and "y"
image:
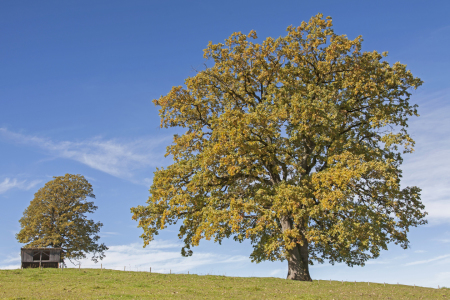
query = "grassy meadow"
{"x": 112, "y": 284}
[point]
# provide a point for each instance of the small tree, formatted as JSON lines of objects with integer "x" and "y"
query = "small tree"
{"x": 295, "y": 144}
{"x": 56, "y": 217}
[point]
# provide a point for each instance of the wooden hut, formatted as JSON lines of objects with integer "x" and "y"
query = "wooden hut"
{"x": 41, "y": 257}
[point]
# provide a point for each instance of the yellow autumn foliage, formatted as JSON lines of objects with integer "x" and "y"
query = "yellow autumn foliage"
{"x": 56, "y": 217}
{"x": 294, "y": 143}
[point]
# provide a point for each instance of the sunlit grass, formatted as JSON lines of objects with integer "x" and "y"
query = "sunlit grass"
{"x": 111, "y": 284}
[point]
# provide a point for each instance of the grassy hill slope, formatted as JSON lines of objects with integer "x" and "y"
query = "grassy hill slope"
{"x": 110, "y": 284}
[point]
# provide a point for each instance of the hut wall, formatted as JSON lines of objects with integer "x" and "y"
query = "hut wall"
{"x": 55, "y": 255}
{"x": 27, "y": 255}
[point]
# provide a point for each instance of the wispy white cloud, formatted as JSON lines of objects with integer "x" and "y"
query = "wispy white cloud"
{"x": 113, "y": 157}
{"x": 12, "y": 259}
{"x": 419, "y": 262}
{"x": 277, "y": 272}
{"x": 443, "y": 277}
{"x": 428, "y": 166}
{"x": 108, "y": 233}
{"x": 444, "y": 240}
{"x": 161, "y": 256}
{"x": 377, "y": 262}
{"x": 10, "y": 267}
{"x": 8, "y": 184}
{"x": 390, "y": 261}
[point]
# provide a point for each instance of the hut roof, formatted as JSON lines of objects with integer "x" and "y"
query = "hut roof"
{"x": 40, "y": 248}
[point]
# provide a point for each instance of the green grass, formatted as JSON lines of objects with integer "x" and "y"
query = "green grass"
{"x": 110, "y": 284}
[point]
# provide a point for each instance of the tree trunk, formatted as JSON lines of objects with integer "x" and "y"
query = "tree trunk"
{"x": 298, "y": 268}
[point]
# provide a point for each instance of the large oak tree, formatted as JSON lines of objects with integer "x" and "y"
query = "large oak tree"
{"x": 56, "y": 217}
{"x": 296, "y": 144}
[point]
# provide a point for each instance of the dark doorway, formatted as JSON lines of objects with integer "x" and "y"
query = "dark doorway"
{"x": 45, "y": 255}
{"x": 37, "y": 255}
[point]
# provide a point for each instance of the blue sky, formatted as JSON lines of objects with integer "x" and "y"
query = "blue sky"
{"x": 76, "y": 84}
